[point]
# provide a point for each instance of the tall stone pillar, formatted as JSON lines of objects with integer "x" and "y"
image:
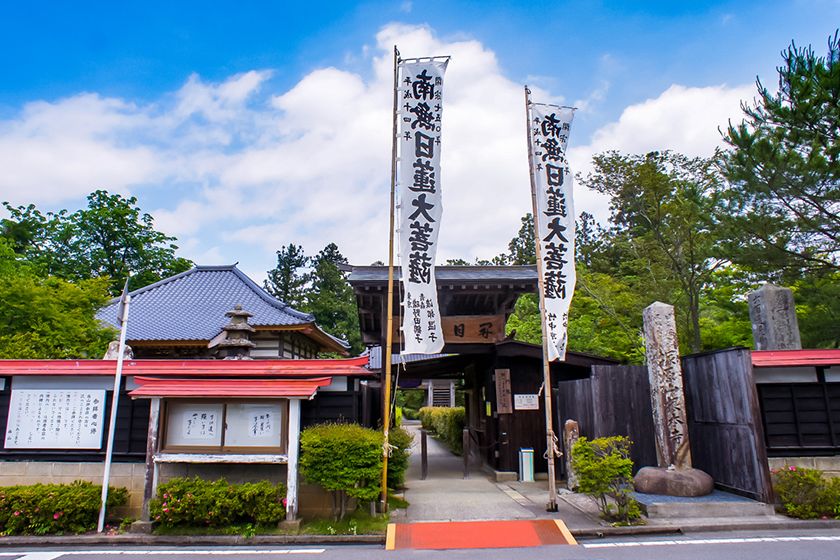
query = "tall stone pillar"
{"x": 674, "y": 476}
{"x": 662, "y": 354}
{"x": 773, "y": 317}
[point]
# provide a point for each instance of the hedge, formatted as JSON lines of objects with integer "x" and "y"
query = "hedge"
{"x": 398, "y": 461}
{"x": 344, "y": 459}
{"x": 196, "y": 502}
{"x": 43, "y": 509}
{"x": 447, "y": 423}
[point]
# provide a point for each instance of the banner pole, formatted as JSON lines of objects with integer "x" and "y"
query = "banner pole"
{"x": 549, "y": 420}
{"x": 389, "y": 335}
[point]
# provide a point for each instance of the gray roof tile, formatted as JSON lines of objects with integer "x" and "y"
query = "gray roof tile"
{"x": 192, "y": 305}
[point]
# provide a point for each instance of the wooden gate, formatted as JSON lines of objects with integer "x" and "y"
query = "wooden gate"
{"x": 724, "y": 422}
{"x": 613, "y": 401}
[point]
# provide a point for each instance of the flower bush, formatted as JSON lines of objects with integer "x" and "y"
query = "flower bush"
{"x": 806, "y": 493}
{"x": 195, "y": 502}
{"x": 43, "y": 509}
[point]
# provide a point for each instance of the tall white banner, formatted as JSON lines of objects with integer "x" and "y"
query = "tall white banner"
{"x": 421, "y": 95}
{"x": 549, "y": 128}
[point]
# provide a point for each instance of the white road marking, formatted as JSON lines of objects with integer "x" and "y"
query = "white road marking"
{"x": 708, "y": 541}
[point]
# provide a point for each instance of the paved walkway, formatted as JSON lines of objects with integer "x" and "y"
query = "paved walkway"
{"x": 446, "y": 496}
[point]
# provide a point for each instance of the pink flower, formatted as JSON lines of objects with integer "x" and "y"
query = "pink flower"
{"x": 791, "y": 468}
{"x": 17, "y": 513}
{"x": 56, "y": 515}
{"x": 284, "y": 502}
{"x": 165, "y": 510}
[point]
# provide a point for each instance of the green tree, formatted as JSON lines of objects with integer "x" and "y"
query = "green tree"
{"x": 109, "y": 238}
{"x": 330, "y": 297}
{"x": 663, "y": 206}
{"x": 48, "y": 317}
{"x": 783, "y": 165}
{"x": 287, "y": 281}
{"x": 521, "y": 249}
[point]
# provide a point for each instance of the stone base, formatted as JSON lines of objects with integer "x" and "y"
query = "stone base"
{"x": 141, "y": 527}
{"x": 292, "y": 525}
{"x": 673, "y": 482}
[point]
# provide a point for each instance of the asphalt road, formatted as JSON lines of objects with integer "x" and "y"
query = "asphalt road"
{"x": 813, "y": 545}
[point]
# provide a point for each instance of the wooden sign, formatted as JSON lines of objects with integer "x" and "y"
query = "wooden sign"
{"x": 468, "y": 329}
{"x": 504, "y": 404}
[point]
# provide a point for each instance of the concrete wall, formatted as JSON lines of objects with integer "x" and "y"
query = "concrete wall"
{"x": 829, "y": 465}
{"x": 126, "y": 475}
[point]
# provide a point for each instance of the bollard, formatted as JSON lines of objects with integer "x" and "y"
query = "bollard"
{"x": 424, "y": 456}
{"x": 466, "y": 451}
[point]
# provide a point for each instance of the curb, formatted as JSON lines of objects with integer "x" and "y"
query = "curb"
{"x": 264, "y": 540}
{"x": 184, "y": 540}
{"x": 705, "y": 527}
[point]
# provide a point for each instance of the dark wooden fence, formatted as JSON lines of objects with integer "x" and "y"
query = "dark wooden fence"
{"x": 615, "y": 400}
{"x": 724, "y": 422}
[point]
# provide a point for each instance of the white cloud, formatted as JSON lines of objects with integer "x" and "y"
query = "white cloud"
{"x": 236, "y": 170}
{"x": 682, "y": 119}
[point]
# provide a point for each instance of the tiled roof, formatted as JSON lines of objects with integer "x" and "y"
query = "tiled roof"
{"x": 192, "y": 306}
{"x": 451, "y": 274}
{"x": 374, "y": 355}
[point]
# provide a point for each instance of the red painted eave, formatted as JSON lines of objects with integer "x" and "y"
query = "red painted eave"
{"x": 795, "y": 358}
{"x": 202, "y": 368}
{"x": 207, "y": 388}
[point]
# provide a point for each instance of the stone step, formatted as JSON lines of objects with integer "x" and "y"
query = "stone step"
{"x": 674, "y": 509}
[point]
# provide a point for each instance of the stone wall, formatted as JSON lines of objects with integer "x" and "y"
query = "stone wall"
{"x": 829, "y": 465}
{"x": 126, "y": 475}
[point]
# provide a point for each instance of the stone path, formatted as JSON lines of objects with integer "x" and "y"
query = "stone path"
{"x": 446, "y": 496}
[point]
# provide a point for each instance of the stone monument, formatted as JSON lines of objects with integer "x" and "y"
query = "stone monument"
{"x": 773, "y": 318}
{"x": 674, "y": 475}
{"x": 571, "y": 433}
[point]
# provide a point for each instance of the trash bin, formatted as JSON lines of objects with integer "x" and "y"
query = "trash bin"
{"x": 526, "y": 464}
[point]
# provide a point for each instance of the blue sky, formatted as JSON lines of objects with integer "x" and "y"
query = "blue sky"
{"x": 244, "y": 126}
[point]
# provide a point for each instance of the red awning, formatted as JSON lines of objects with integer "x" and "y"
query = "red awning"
{"x": 188, "y": 368}
{"x": 794, "y": 358}
{"x": 227, "y": 388}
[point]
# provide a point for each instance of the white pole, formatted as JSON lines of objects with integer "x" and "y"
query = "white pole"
{"x": 109, "y": 451}
{"x": 293, "y": 454}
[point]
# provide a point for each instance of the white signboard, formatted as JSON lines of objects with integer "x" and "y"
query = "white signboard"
{"x": 55, "y": 419}
{"x": 194, "y": 424}
{"x": 526, "y": 402}
{"x": 253, "y": 425}
{"x": 200, "y": 424}
{"x": 421, "y": 106}
{"x": 549, "y": 128}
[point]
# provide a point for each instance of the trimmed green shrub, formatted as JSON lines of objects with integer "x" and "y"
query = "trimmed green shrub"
{"x": 195, "y": 502}
{"x": 447, "y": 423}
{"x": 398, "y": 461}
{"x": 43, "y": 509}
{"x": 605, "y": 471}
{"x": 806, "y": 494}
{"x": 345, "y": 459}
